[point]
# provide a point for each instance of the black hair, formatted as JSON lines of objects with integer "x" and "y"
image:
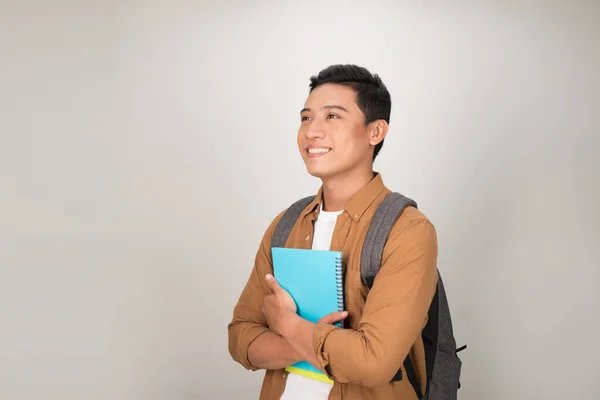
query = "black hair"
{"x": 372, "y": 96}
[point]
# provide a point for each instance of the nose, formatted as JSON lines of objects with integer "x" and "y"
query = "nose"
{"x": 315, "y": 131}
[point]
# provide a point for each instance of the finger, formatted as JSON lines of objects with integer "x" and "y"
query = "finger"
{"x": 333, "y": 317}
{"x": 266, "y": 304}
{"x": 268, "y": 298}
{"x": 272, "y": 282}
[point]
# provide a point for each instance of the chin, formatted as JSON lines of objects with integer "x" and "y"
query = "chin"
{"x": 323, "y": 170}
{"x": 316, "y": 172}
{"x": 320, "y": 173}
{"x": 313, "y": 172}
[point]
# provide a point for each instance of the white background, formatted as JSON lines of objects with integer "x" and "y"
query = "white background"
{"x": 146, "y": 146}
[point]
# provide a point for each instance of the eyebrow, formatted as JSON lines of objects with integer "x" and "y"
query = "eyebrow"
{"x": 326, "y": 107}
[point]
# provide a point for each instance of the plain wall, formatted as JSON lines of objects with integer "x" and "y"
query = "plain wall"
{"x": 146, "y": 146}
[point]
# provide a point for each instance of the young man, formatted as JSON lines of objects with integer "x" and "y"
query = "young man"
{"x": 343, "y": 125}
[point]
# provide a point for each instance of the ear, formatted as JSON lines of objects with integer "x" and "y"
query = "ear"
{"x": 377, "y": 131}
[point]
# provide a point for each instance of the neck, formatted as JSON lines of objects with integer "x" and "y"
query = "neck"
{"x": 338, "y": 191}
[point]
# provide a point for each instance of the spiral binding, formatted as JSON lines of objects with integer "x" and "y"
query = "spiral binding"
{"x": 339, "y": 287}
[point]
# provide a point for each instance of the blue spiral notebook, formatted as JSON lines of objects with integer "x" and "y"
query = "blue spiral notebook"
{"x": 314, "y": 280}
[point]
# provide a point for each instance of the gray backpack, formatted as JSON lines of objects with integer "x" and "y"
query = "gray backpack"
{"x": 442, "y": 362}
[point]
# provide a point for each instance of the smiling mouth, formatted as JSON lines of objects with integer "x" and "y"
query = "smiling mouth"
{"x": 323, "y": 150}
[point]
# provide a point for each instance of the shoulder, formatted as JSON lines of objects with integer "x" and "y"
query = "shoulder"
{"x": 412, "y": 216}
{"x": 287, "y": 218}
{"x": 268, "y": 235}
{"x": 412, "y": 241}
{"x": 412, "y": 229}
{"x": 409, "y": 216}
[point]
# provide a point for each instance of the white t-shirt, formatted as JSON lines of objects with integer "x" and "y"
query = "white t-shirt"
{"x": 299, "y": 387}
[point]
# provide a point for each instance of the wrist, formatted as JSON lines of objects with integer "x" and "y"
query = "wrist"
{"x": 290, "y": 326}
{"x": 299, "y": 334}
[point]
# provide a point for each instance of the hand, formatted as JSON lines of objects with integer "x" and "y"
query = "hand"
{"x": 332, "y": 318}
{"x": 279, "y": 307}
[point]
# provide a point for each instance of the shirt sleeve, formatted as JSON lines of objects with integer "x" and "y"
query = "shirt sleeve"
{"x": 394, "y": 315}
{"x": 248, "y": 321}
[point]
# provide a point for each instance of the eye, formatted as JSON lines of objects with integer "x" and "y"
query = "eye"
{"x": 332, "y": 116}
{"x": 304, "y": 118}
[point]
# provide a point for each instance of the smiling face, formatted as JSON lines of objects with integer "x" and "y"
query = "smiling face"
{"x": 333, "y": 138}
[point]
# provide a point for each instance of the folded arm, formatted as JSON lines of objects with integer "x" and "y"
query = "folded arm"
{"x": 251, "y": 342}
{"x": 393, "y": 317}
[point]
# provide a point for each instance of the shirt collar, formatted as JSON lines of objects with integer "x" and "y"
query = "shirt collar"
{"x": 358, "y": 204}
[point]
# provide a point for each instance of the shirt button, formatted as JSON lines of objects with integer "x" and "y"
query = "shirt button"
{"x": 307, "y": 237}
{"x": 356, "y": 216}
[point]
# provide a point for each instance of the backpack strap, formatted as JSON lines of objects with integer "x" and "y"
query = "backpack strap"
{"x": 287, "y": 221}
{"x": 382, "y": 223}
{"x": 384, "y": 219}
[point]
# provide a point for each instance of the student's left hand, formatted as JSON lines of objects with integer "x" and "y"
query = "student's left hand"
{"x": 278, "y": 306}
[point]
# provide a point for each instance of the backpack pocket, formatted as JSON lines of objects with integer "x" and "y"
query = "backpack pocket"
{"x": 446, "y": 374}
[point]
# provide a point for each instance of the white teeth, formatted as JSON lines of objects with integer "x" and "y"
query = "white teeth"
{"x": 315, "y": 151}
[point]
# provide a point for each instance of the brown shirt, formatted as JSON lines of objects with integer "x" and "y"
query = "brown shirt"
{"x": 383, "y": 324}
